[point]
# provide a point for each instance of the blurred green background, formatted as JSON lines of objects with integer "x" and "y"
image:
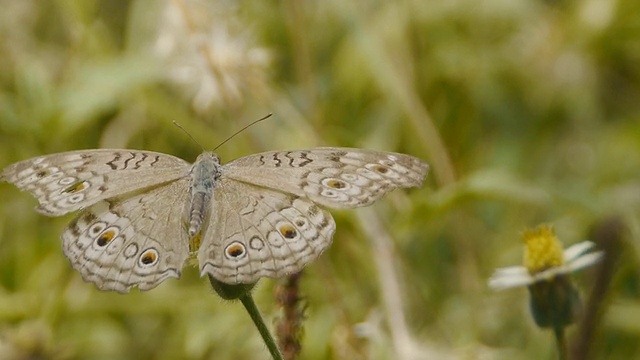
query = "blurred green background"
{"x": 528, "y": 112}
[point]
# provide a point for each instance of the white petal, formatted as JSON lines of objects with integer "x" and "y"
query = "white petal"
{"x": 575, "y": 250}
{"x": 505, "y": 278}
{"x": 511, "y": 271}
{"x": 585, "y": 260}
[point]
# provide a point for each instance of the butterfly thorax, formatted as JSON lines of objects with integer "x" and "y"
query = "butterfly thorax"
{"x": 205, "y": 173}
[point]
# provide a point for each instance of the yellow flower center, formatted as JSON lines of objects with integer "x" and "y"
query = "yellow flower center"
{"x": 542, "y": 250}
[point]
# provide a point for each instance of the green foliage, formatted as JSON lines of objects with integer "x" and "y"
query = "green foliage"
{"x": 528, "y": 112}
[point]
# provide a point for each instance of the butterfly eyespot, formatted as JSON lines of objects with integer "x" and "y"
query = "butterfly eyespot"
{"x": 74, "y": 199}
{"x": 275, "y": 239}
{"x": 105, "y": 238}
{"x": 96, "y": 229}
{"x": 288, "y": 231}
{"x": 334, "y": 183}
{"x": 256, "y": 243}
{"x": 42, "y": 173}
{"x": 67, "y": 180}
{"x": 235, "y": 250}
{"x": 300, "y": 222}
{"x": 149, "y": 257}
{"x": 76, "y": 187}
{"x": 328, "y": 193}
{"x": 380, "y": 169}
{"x": 130, "y": 251}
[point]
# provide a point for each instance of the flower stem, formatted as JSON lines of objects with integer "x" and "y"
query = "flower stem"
{"x": 252, "y": 309}
{"x": 561, "y": 342}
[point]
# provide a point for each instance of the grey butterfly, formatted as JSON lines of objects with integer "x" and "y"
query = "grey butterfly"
{"x": 144, "y": 213}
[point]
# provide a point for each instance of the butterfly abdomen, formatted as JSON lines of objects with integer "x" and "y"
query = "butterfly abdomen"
{"x": 199, "y": 203}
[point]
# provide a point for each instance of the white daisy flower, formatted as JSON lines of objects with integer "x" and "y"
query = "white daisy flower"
{"x": 544, "y": 260}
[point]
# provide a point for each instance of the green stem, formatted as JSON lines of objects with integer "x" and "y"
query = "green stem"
{"x": 252, "y": 309}
{"x": 561, "y": 343}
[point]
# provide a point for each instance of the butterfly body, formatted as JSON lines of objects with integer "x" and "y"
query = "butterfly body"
{"x": 261, "y": 215}
{"x": 205, "y": 174}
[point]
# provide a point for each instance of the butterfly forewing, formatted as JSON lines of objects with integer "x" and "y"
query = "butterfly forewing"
{"x": 66, "y": 182}
{"x": 332, "y": 177}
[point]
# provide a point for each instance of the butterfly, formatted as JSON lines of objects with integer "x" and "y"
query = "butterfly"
{"x": 143, "y": 214}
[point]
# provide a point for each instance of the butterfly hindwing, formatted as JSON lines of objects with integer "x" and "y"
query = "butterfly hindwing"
{"x": 256, "y": 232}
{"x": 135, "y": 241}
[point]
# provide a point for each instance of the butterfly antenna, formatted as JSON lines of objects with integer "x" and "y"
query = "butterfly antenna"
{"x": 241, "y": 130}
{"x": 188, "y": 134}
